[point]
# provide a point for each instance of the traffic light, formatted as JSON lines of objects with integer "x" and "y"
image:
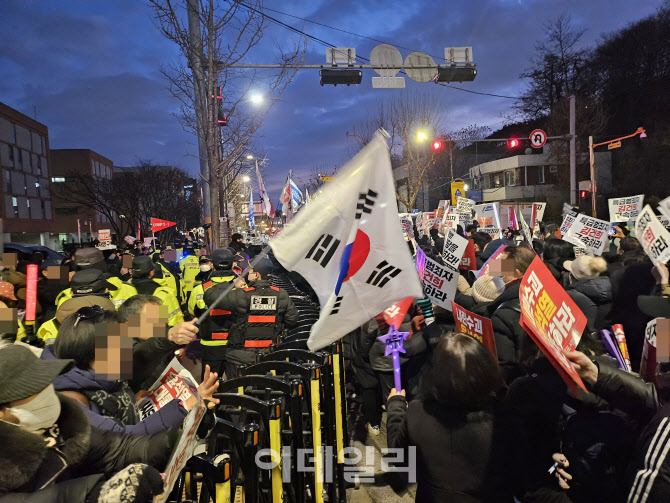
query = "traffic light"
{"x": 584, "y": 194}
{"x": 343, "y": 77}
{"x": 513, "y": 143}
{"x": 455, "y": 74}
{"x": 437, "y": 145}
{"x": 221, "y": 116}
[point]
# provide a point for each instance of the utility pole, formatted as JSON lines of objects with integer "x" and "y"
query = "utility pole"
{"x": 200, "y": 102}
{"x": 573, "y": 153}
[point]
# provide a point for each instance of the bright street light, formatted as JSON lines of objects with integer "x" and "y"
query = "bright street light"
{"x": 466, "y": 186}
{"x": 246, "y": 178}
{"x": 421, "y": 136}
{"x": 250, "y": 156}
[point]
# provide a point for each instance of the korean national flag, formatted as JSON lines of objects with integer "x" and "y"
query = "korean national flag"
{"x": 349, "y": 246}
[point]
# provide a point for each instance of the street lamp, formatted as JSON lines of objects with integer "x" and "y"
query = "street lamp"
{"x": 640, "y": 131}
{"x": 246, "y": 178}
{"x": 421, "y": 135}
{"x": 256, "y": 98}
{"x": 250, "y": 157}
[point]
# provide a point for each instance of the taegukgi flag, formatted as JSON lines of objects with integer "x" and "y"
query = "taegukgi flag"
{"x": 349, "y": 246}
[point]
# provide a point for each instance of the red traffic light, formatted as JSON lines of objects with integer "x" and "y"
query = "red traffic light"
{"x": 512, "y": 143}
{"x": 437, "y": 145}
{"x": 583, "y": 194}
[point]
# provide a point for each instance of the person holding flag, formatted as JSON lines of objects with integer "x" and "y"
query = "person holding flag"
{"x": 266, "y": 205}
{"x": 252, "y": 215}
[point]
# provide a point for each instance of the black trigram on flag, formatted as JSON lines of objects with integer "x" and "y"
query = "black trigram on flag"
{"x": 323, "y": 249}
{"x": 336, "y": 306}
{"x": 382, "y": 274}
{"x": 365, "y": 203}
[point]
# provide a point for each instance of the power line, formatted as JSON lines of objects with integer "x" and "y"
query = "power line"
{"x": 327, "y": 44}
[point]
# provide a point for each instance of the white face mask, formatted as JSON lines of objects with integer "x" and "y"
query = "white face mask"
{"x": 205, "y": 268}
{"x": 40, "y": 413}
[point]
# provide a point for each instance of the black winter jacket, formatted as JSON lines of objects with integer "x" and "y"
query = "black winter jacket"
{"x": 593, "y": 296}
{"x": 71, "y": 472}
{"x": 452, "y": 447}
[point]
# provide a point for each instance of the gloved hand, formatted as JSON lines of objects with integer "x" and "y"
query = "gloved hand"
{"x": 136, "y": 483}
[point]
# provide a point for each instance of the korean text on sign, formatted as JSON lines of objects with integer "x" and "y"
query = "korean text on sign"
{"x": 653, "y": 236}
{"x": 589, "y": 232}
{"x": 551, "y": 318}
{"x": 476, "y": 326}
{"x": 439, "y": 282}
{"x": 625, "y": 209}
{"x": 454, "y": 247}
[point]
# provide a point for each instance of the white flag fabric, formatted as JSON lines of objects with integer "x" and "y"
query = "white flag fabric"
{"x": 348, "y": 245}
{"x": 265, "y": 199}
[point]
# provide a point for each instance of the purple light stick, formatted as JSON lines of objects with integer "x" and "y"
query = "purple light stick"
{"x": 394, "y": 346}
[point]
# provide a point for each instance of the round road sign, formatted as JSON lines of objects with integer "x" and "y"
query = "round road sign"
{"x": 420, "y": 74}
{"x": 538, "y": 138}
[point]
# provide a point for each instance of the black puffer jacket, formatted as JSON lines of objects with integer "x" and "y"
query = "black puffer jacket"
{"x": 31, "y": 471}
{"x": 452, "y": 447}
{"x": 560, "y": 273}
{"x": 594, "y": 297}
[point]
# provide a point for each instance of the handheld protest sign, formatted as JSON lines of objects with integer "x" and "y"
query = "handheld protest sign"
{"x": 395, "y": 314}
{"x": 475, "y": 326}
{"x": 588, "y": 232}
{"x": 394, "y": 346}
{"x": 625, "y": 209}
{"x": 551, "y": 319}
{"x": 469, "y": 259}
{"x": 439, "y": 282}
{"x": 454, "y": 248}
{"x": 653, "y": 236}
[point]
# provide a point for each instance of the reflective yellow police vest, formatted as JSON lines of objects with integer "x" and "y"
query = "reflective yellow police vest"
{"x": 169, "y": 300}
{"x": 190, "y": 267}
{"x": 48, "y": 330}
{"x": 196, "y": 298}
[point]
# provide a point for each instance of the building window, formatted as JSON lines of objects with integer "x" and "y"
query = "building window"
{"x": 540, "y": 174}
{"x": 8, "y": 182}
{"x": 19, "y": 158}
{"x": 15, "y": 204}
{"x": 66, "y": 211}
{"x": 11, "y": 157}
{"x": 61, "y": 179}
{"x": 39, "y": 165}
{"x": 553, "y": 169}
{"x": 510, "y": 178}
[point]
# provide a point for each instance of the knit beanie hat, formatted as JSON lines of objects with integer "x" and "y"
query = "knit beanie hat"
{"x": 586, "y": 266}
{"x": 484, "y": 289}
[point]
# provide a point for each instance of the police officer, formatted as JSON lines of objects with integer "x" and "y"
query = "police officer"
{"x": 215, "y": 328}
{"x": 259, "y": 314}
{"x": 142, "y": 279}
{"x": 190, "y": 268}
{"x": 206, "y": 268}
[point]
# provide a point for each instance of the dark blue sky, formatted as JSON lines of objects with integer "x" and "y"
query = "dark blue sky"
{"x": 91, "y": 70}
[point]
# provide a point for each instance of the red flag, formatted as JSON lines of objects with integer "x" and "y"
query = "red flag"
{"x": 395, "y": 314}
{"x": 477, "y": 326}
{"x": 469, "y": 261}
{"x": 158, "y": 225}
{"x": 551, "y": 318}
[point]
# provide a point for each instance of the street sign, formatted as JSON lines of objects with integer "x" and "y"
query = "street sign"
{"x": 538, "y": 138}
{"x": 104, "y": 235}
{"x": 457, "y": 190}
{"x": 390, "y": 60}
{"x": 420, "y": 74}
{"x": 341, "y": 55}
{"x": 616, "y": 144}
{"x": 455, "y": 55}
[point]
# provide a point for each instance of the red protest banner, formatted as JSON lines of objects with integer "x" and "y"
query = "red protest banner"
{"x": 395, "y": 314}
{"x": 469, "y": 261}
{"x": 158, "y": 225}
{"x": 551, "y": 318}
{"x": 477, "y": 326}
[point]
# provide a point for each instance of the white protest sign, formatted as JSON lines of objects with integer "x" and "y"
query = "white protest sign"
{"x": 428, "y": 220}
{"x": 589, "y": 232}
{"x": 494, "y": 232}
{"x": 104, "y": 235}
{"x": 464, "y": 208}
{"x": 625, "y": 209}
{"x": 454, "y": 248}
{"x": 439, "y": 282}
{"x": 527, "y": 234}
{"x": 174, "y": 383}
{"x": 184, "y": 449}
{"x": 406, "y": 224}
{"x": 568, "y": 220}
{"x": 451, "y": 221}
{"x": 537, "y": 214}
{"x": 581, "y": 250}
{"x": 665, "y": 221}
{"x": 653, "y": 237}
{"x": 442, "y": 209}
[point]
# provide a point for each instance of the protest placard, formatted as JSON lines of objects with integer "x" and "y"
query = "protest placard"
{"x": 104, "y": 235}
{"x": 653, "y": 237}
{"x": 648, "y": 360}
{"x": 428, "y": 220}
{"x": 625, "y": 209}
{"x": 525, "y": 230}
{"x": 464, "y": 208}
{"x": 664, "y": 208}
{"x": 568, "y": 219}
{"x": 469, "y": 260}
{"x": 184, "y": 449}
{"x": 511, "y": 218}
{"x": 439, "y": 282}
{"x": 174, "y": 383}
{"x": 129, "y": 239}
{"x": 450, "y": 221}
{"x": 588, "y": 232}
{"x": 551, "y": 318}
{"x": 581, "y": 250}
{"x": 395, "y": 314}
{"x": 407, "y": 226}
{"x": 494, "y": 232}
{"x": 477, "y": 326}
{"x": 537, "y": 214}
{"x": 442, "y": 209}
{"x": 454, "y": 248}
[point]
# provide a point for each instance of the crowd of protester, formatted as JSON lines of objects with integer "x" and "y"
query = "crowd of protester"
{"x": 484, "y": 429}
